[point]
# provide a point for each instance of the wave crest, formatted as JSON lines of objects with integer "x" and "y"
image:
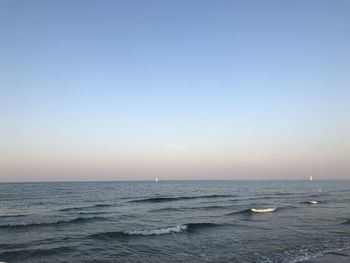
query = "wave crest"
{"x": 171, "y": 199}
{"x": 263, "y": 210}
{"x": 160, "y": 231}
{"x": 84, "y": 207}
{"x": 347, "y": 222}
{"x": 37, "y": 252}
{"x": 191, "y": 227}
{"x": 250, "y": 211}
{"x": 59, "y": 222}
{"x": 11, "y": 216}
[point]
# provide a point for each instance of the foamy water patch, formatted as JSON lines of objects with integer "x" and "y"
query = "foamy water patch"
{"x": 308, "y": 251}
{"x": 189, "y": 228}
{"x": 160, "y": 231}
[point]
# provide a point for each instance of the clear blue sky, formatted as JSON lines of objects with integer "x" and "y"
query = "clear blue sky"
{"x": 105, "y": 90}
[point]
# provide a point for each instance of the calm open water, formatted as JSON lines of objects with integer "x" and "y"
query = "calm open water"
{"x": 173, "y": 221}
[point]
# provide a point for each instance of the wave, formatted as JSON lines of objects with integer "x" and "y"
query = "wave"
{"x": 38, "y": 252}
{"x": 171, "y": 199}
{"x": 11, "y": 216}
{"x": 250, "y": 211}
{"x": 347, "y": 222}
{"x": 212, "y": 207}
{"x": 263, "y": 210}
{"x": 174, "y": 209}
{"x": 93, "y": 213}
{"x": 241, "y": 212}
{"x": 84, "y": 207}
{"x": 191, "y": 227}
{"x": 195, "y": 226}
{"x": 167, "y": 209}
{"x": 259, "y": 198}
{"x": 59, "y": 222}
{"x": 308, "y": 252}
{"x": 102, "y": 205}
{"x": 286, "y": 193}
{"x": 317, "y": 195}
{"x": 312, "y": 202}
{"x": 160, "y": 231}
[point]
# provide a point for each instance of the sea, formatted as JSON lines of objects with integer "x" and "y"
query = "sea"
{"x": 173, "y": 221}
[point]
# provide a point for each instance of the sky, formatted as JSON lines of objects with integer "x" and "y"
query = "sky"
{"x": 195, "y": 89}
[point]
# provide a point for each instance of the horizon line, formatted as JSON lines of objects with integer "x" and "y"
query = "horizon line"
{"x": 171, "y": 180}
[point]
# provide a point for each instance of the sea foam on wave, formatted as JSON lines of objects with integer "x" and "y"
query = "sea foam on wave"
{"x": 160, "y": 231}
{"x": 191, "y": 227}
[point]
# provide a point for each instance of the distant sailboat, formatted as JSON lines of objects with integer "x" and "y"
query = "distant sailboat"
{"x": 310, "y": 178}
{"x": 156, "y": 179}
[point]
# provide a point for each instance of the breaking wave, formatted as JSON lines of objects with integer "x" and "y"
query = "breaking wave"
{"x": 151, "y": 232}
{"x": 262, "y": 210}
{"x": 254, "y": 210}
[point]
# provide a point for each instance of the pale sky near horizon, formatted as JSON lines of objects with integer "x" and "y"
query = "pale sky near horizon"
{"x": 133, "y": 90}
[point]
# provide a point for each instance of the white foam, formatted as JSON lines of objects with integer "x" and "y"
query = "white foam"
{"x": 313, "y": 202}
{"x": 160, "y": 231}
{"x": 308, "y": 257}
{"x": 263, "y": 210}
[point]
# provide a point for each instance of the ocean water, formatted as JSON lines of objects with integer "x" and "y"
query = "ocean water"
{"x": 173, "y": 221}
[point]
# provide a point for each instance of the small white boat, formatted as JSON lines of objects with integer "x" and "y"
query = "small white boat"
{"x": 156, "y": 179}
{"x": 263, "y": 210}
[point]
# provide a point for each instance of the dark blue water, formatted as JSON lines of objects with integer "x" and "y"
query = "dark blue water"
{"x": 179, "y": 221}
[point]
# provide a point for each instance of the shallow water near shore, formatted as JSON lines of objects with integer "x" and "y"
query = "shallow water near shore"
{"x": 173, "y": 221}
